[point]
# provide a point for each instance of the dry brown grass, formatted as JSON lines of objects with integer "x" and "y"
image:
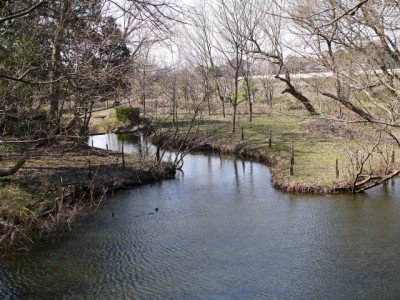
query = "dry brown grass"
{"x": 53, "y": 186}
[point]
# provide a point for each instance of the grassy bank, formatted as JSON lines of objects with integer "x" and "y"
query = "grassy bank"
{"x": 52, "y": 186}
{"x": 325, "y": 151}
{"x": 327, "y": 154}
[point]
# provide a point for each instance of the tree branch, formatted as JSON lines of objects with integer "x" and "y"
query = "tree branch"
{"x": 20, "y": 79}
{"x": 350, "y": 106}
{"x": 295, "y": 93}
{"x": 22, "y": 13}
{"x": 376, "y": 183}
{"x": 15, "y": 168}
{"x": 349, "y": 12}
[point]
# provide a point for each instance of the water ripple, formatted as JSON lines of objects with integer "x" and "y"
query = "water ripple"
{"x": 218, "y": 234}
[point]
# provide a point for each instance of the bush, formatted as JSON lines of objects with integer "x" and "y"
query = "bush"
{"x": 127, "y": 114}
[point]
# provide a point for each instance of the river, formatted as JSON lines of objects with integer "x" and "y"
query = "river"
{"x": 221, "y": 232}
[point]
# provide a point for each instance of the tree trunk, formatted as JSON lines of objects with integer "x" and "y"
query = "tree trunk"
{"x": 235, "y": 101}
{"x": 207, "y": 97}
{"x": 234, "y": 117}
{"x": 174, "y": 108}
{"x": 303, "y": 99}
{"x": 221, "y": 98}
{"x": 55, "y": 73}
{"x": 248, "y": 92}
{"x": 251, "y": 112}
{"x": 295, "y": 93}
{"x": 88, "y": 114}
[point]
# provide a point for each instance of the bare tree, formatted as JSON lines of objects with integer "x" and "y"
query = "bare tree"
{"x": 59, "y": 58}
{"x": 144, "y": 77}
{"x": 198, "y": 52}
{"x": 232, "y": 43}
{"x": 267, "y": 82}
{"x": 202, "y": 47}
{"x": 358, "y": 43}
{"x": 265, "y": 37}
{"x": 249, "y": 86}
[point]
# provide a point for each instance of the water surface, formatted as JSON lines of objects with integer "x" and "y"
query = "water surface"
{"x": 221, "y": 232}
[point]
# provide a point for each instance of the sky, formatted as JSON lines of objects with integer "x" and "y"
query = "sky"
{"x": 167, "y": 52}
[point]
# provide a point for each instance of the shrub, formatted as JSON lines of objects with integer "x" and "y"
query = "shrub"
{"x": 127, "y": 114}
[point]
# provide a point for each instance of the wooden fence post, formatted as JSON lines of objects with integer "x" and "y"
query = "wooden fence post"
{"x": 123, "y": 156}
{"x": 270, "y": 139}
{"x": 292, "y": 153}
{"x": 291, "y": 159}
{"x": 158, "y": 153}
{"x": 140, "y": 144}
{"x": 337, "y": 168}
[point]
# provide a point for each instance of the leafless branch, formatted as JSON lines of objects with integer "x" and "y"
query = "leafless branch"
{"x": 349, "y": 12}
{"x": 20, "y": 79}
{"x": 23, "y": 12}
{"x": 15, "y": 168}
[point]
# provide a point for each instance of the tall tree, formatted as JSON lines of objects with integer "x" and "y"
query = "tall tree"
{"x": 265, "y": 24}
{"x": 232, "y": 43}
{"x": 358, "y": 42}
{"x": 58, "y": 58}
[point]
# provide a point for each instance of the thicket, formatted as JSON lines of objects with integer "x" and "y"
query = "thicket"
{"x": 128, "y": 114}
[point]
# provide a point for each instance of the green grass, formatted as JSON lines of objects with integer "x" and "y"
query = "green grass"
{"x": 315, "y": 153}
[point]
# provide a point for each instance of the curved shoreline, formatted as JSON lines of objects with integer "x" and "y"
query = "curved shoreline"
{"x": 108, "y": 178}
{"x": 64, "y": 184}
{"x": 248, "y": 151}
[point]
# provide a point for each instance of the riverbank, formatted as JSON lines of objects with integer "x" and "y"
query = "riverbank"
{"x": 317, "y": 145}
{"x": 47, "y": 193}
{"x": 247, "y": 150}
{"x": 305, "y": 154}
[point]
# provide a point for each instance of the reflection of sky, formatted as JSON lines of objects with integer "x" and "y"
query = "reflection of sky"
{"x": 115, "y": 142}
{"x": 221, "y": 232}
{"x": 130, "y": 142}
